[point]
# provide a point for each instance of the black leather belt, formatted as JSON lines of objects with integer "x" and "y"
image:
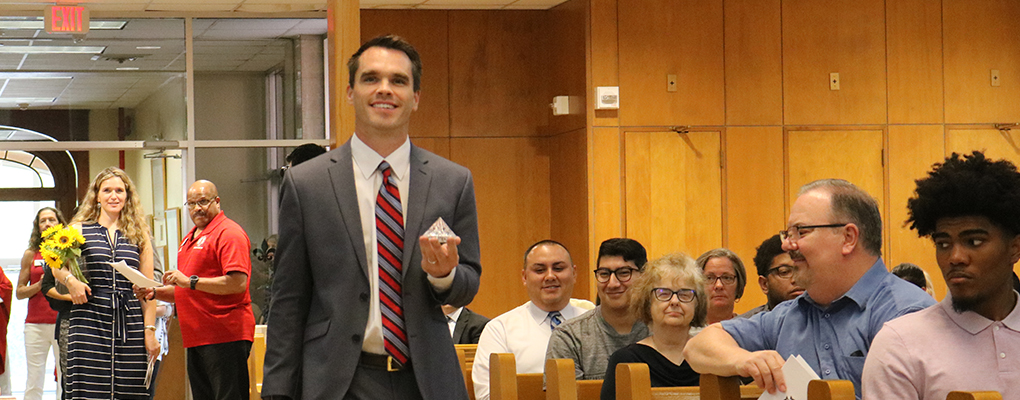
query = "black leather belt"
{"x": 380, "y": 361}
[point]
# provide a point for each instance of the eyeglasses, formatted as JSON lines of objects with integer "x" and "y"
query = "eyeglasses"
{"x": 782, "y": 271}
{"x": 794, "y": 233}
{"x": 727, "y": 280}
{"x": 622, "y": 274}
{"x": 201, "y": 203}
{"x": 663, "y": 294}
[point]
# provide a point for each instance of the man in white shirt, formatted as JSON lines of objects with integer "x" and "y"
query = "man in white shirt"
{"x": 549, "y": 276}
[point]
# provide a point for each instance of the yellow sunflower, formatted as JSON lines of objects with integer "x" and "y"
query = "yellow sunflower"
{"x": 49, "y": 231}
{"x": 78, "y": 238}
{"x": 51, "y": 258}
{"x": 63, "y": 239}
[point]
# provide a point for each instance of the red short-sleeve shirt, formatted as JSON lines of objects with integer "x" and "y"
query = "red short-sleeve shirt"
{"x": 208, "y": 318}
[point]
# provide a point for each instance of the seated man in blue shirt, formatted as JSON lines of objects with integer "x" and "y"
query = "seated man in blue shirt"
{"x": 835, "y": 240}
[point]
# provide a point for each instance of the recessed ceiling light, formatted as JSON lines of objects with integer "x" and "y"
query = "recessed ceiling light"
{"x": 17, "y": 100}
{"x": 40, "y": 24}
{"x": 127, "y": 68}
{"x": 52, "y": 49}
{"x": 148, "y": 47}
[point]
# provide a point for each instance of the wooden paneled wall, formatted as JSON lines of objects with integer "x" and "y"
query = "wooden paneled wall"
{"x": 488, "y": 79}
{"x": 913, "y": 74}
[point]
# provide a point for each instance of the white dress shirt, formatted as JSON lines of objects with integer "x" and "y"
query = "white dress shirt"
{"x": 451, "y": 319}
{"x": 523, "y": 331}
{"x": 367, "y": 180}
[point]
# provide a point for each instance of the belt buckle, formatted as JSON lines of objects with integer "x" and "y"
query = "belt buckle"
{"x": 392, "y": 365}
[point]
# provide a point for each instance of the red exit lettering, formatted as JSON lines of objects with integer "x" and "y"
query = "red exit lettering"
{"x": 67, "y": 19}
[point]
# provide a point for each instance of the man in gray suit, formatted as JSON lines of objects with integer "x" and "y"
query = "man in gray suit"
{"x": 358, "y": 289}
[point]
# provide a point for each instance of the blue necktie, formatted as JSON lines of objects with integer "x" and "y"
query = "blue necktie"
{"x": 555, "y": 319}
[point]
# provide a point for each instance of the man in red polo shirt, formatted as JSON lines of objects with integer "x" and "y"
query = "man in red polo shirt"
{"x": 210, "y": 288}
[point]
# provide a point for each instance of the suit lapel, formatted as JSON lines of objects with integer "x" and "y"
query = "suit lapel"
{"x": 341, "y": 175}
{"x": 417, "y": 200}
{"x": 458, "y": 329}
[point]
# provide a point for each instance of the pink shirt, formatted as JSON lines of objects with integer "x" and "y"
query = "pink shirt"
{"x": 927, "y": 354}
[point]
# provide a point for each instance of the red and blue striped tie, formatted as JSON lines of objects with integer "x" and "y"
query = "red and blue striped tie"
{"x": 389, "y": 225}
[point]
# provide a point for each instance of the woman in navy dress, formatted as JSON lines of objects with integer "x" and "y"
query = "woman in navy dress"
{"x": 110, "y": 339}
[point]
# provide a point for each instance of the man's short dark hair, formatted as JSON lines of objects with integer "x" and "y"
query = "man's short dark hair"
{"x": 851, "y": 204}
{"x": 969, "y": 185}
{"x": 911, "y": 273}
{"x": 543, "y": 243}
{"x": 767, "y": 252}
{"x": 304, "y": 153}
{"x": 628, "y": 249}
{"x": 388, "y": 42}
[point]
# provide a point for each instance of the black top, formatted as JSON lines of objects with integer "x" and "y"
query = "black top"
{"x": 62, "y": 307}
{"x": 663, "y": 373}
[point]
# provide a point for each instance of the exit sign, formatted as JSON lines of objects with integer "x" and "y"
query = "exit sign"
{"x": 67, "y": 19}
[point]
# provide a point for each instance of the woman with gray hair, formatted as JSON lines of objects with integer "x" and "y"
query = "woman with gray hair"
{"x": 725, "y": 278}
{"x": 669, "y": 297}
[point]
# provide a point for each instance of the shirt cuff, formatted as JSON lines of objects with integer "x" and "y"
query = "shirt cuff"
{"x": 444, "y": 283}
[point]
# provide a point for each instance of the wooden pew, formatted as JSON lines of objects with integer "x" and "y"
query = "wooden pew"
{"x": 561, "y": 382}
{"x": 506, "y": 384}
{"x": 830, "y": 390}
{"x": 633, "y": 382}
{"x": 466, "y": 357}
{"x": 256, "y": 359}
{"x": 974, "y": 396}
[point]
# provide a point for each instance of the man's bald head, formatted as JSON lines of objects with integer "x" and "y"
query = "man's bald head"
{"x": 203, "y": 203}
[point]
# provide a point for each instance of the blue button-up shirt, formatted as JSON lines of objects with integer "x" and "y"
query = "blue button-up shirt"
{"x": 833, "y": 340}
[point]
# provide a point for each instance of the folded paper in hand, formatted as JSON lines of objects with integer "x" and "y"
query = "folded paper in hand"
{"x": 440, "y": 230}
{"x": 134, "y": 276}
{"x": 797, "y": 374}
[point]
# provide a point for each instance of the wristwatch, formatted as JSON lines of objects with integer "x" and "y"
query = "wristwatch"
{"x": 194, "y": 281}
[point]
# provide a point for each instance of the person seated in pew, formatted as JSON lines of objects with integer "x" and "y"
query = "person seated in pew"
{"x": 970, "y": 207}
{"x": 548, "y": 275}
{"x": 726, "y": 279}
{"x": 670, "y": 298}
{"x": 775, "y": 275}
{"x": 591, "y": 338}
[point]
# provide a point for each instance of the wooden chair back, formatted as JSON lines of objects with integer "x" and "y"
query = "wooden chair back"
{"x": 469, "y": 352}
{"x": 256, "y": 359}
{"x": 830, "y": 390}
{"x": 633, "y": 382}
{"x": 974, "y": 396}
{"x": 506, "y": 384}
{"x": 561, "y": 382}
{"x": 466, "y": 357}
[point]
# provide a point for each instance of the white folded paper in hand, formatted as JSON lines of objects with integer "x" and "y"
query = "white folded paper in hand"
{"x": 134, "y": 276}
{"x": 797, "y": 374}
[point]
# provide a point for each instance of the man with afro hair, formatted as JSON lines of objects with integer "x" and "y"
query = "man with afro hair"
{"x": 970, "y": 207}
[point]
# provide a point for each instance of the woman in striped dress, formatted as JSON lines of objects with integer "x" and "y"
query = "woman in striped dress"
{"x": 110, "y": 337}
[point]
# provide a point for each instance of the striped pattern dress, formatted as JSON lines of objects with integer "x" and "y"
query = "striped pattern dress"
{"x": 106, "y": 357}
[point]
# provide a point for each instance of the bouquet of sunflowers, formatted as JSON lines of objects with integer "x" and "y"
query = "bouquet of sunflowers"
{"x": 62, "y": 245}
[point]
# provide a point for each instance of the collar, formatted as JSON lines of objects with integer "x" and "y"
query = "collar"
{"x": 368, "y": 160}
{"x": 861, "y": 292}
{"x": 455, "y": 314}
{"x": 216, "y": 220}
{"x": 973, "y": 322}
{"x": 539, "y": 315}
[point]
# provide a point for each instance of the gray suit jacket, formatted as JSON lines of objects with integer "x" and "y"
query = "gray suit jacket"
{"x": 321, "y": 291}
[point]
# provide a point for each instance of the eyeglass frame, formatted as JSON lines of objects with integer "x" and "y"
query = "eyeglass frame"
{"x": 630, "y": 274}
{"x": 779, "y": 275}
{"x": 710, "y": 281}
{"x": 787, "y": 236}
{"x": 693, "y": 294}
{"x": 191, "y": 205}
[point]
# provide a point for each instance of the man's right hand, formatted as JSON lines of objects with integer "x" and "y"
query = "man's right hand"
{"x": 766, "y": 367}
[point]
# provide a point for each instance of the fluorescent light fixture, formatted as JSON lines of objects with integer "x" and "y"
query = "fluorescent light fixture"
{"x": 148, "y": 47}
{"x": 18, "y": 100}
{"x": 127, "y": 68}
{"x": 40, "y": 24}
{"x": 52, "y": 49}
{"x": 36, "y": 77}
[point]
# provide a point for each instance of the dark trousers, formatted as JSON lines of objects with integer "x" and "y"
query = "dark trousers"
{"x": 378, "y": 384}
{"x": 219, "y": 371}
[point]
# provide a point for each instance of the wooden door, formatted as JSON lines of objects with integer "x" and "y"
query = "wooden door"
{"x": 853, "y": 155}
{"x": 673, "y": 191}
